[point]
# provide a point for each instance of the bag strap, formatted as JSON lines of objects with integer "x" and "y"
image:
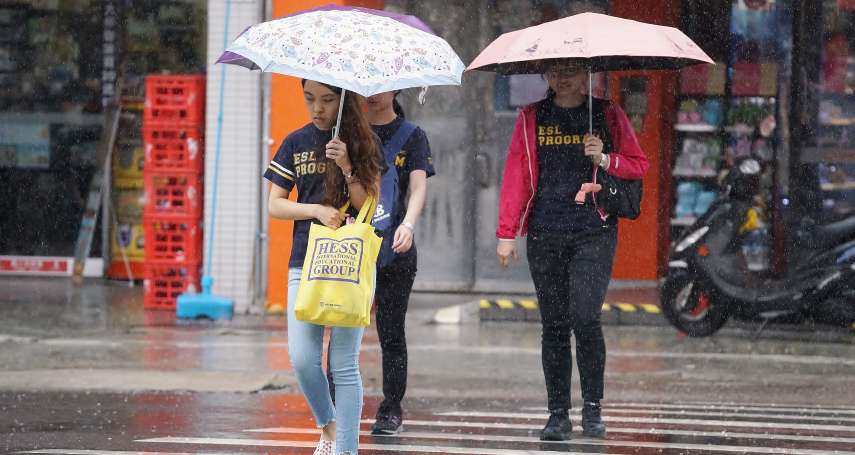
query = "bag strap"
{"x": 365, "y": 213}
{"x": 398, "y": 140}
{"x": 367, "y": 210}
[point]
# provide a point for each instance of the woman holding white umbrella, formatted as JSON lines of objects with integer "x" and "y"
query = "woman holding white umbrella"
{"x": 335, "y": 50}
{"x": 327, "y": 174}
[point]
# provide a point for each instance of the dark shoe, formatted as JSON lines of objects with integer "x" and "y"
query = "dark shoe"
{"x": 387, "y": 424}
{"x": 592, "y": 421}
{"x": 558, "y": 428}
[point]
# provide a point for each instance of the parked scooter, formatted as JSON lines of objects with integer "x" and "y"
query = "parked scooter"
{"x": 709, "y": 271}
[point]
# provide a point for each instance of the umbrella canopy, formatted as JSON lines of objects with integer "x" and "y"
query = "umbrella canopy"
{"x": 358, "y": 49}
{"x": 412, "y": 21}
{"x": 608, "y": 43}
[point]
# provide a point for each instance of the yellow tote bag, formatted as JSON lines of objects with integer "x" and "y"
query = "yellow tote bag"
{"x": 337, "y": 284}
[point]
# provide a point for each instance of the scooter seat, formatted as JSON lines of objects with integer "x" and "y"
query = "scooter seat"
{"x": 829, "y": 234}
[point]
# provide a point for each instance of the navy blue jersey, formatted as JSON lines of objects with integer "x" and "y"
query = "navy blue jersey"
{"x": 414, "y": 156}
{"x": 301, "y": 161}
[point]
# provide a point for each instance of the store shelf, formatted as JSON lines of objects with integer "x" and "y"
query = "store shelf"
{"x": 684, "y": 221}
{"x": 690, "y": 173}
{"x": 845, "y": 186}
{"x": 739, "y": 129}
{"x": 695, "y": 128}
{"x": 838, "y": 122}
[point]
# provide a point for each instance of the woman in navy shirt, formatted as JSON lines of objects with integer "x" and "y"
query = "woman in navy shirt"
{"x": 395, "y": 281}
{"x": 327, "y": 172}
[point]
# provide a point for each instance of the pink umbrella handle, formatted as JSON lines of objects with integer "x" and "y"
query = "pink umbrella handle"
{"x": 590, "y": 103}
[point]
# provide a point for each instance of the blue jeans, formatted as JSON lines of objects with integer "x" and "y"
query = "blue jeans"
{"x": 305, "y": 344}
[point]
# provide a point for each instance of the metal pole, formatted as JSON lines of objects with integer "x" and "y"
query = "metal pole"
{"x": 590, "y": 102}
{"x": 207, "y": 281}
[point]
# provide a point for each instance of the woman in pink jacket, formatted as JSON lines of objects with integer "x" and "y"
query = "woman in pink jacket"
{"x": 571, "y": 246}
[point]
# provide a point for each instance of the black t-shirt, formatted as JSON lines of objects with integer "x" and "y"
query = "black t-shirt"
{"x": 560, "y": 134}
{"x": 414, "y": 156}
{"x": 301, "y": 161}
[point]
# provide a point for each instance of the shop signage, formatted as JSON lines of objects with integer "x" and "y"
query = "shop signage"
{"x": 34, "y": 265}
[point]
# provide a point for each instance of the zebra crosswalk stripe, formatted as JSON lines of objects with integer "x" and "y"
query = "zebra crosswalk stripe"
{"x": 720, "y": 407}
{"x": 661, "y": 427}
{"x": 586, "y": 441}
{"x": 607, "y": 418}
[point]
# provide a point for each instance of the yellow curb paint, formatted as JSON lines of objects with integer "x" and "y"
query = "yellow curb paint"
{"x": 626, "y": 307}
{"x": 607, "y": 307}
{"x": 505, "y": 304}
{"x": 528, "y": 304}
{"x": 650, "y": 308}
{"x": 484, "y": 304}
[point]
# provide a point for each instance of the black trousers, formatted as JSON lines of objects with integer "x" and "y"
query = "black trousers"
{"x": 392, "y": 297}
{"x": 571, "y": 273}
{"x": 394, "y": 284}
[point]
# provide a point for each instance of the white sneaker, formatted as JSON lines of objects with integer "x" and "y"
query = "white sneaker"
{"x": 325, "y": 448}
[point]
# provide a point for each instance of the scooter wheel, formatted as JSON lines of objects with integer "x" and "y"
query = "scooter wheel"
{"x": 689, "y": 308}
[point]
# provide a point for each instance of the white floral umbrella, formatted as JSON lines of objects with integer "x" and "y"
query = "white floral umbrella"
{"x": 348, "y": 48}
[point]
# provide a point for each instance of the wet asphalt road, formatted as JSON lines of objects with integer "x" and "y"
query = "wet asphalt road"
{"x": 163, "y": 423}
{"x": 90, "y": 379}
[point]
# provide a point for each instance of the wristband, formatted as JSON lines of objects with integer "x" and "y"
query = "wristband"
{"x": 409, "y": 226}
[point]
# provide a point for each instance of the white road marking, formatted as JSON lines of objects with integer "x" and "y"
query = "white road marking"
{"x": 713, "y": 413}
{"x": 120, "y": 452}
{"x": 716, "y": 407}
{"x": 727, "y": 423}
{"x": 383, "y": 447}
{"x": 583, "y": 441}
{"x": 644, "y": 431}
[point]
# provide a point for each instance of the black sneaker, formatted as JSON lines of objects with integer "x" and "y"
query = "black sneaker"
{"x": 387, "y": 424}
{"x": 558, "y": 428}
{"x": 592, "y": 421}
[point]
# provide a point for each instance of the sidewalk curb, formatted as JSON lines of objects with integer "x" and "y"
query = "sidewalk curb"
{"x": 136, "y": 380}
{"x": 526, "y": 310}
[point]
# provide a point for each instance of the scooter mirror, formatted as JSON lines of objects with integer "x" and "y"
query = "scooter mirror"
{"x": 749, "y": 167}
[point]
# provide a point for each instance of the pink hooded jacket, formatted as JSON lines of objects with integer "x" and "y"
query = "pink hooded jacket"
{"x": 519, "y": 183}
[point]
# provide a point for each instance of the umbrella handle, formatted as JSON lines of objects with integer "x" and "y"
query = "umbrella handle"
{"x": 340, "y": 109}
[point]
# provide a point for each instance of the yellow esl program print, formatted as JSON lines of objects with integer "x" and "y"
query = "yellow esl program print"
{"x": 336, "y": 260}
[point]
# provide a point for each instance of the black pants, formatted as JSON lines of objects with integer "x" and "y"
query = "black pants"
{"x": 571, "y": 273}
{"x": 392, "y": 297}
{"x": 394, "y": 284}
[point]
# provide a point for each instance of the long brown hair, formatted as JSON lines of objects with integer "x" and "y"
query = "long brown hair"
{"x": 362, "y": 149}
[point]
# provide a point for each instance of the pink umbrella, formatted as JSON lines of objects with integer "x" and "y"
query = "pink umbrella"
{"x": 608, "y": 43}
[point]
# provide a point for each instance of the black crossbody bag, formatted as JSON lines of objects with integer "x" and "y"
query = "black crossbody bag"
{"x": 619, "y": 197}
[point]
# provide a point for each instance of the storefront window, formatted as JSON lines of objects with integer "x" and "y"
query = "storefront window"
{"x": 831, "y": 147}
{"x": 59, "y": 61}
{"x": 515, "y": 91}
{"x": 50, "y": 121}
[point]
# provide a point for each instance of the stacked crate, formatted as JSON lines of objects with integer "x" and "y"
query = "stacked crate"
{"x": 173, "y": 129}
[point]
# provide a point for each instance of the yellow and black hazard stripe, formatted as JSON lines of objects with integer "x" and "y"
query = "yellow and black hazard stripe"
{"x": 531, "y": 305}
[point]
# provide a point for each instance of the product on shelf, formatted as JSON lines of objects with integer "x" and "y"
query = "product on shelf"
{"x": 687, "y": 198}
{"x": 699, "y": 157}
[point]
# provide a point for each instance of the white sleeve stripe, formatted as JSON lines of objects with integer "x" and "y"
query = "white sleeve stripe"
{"x": 282, "y": 168}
